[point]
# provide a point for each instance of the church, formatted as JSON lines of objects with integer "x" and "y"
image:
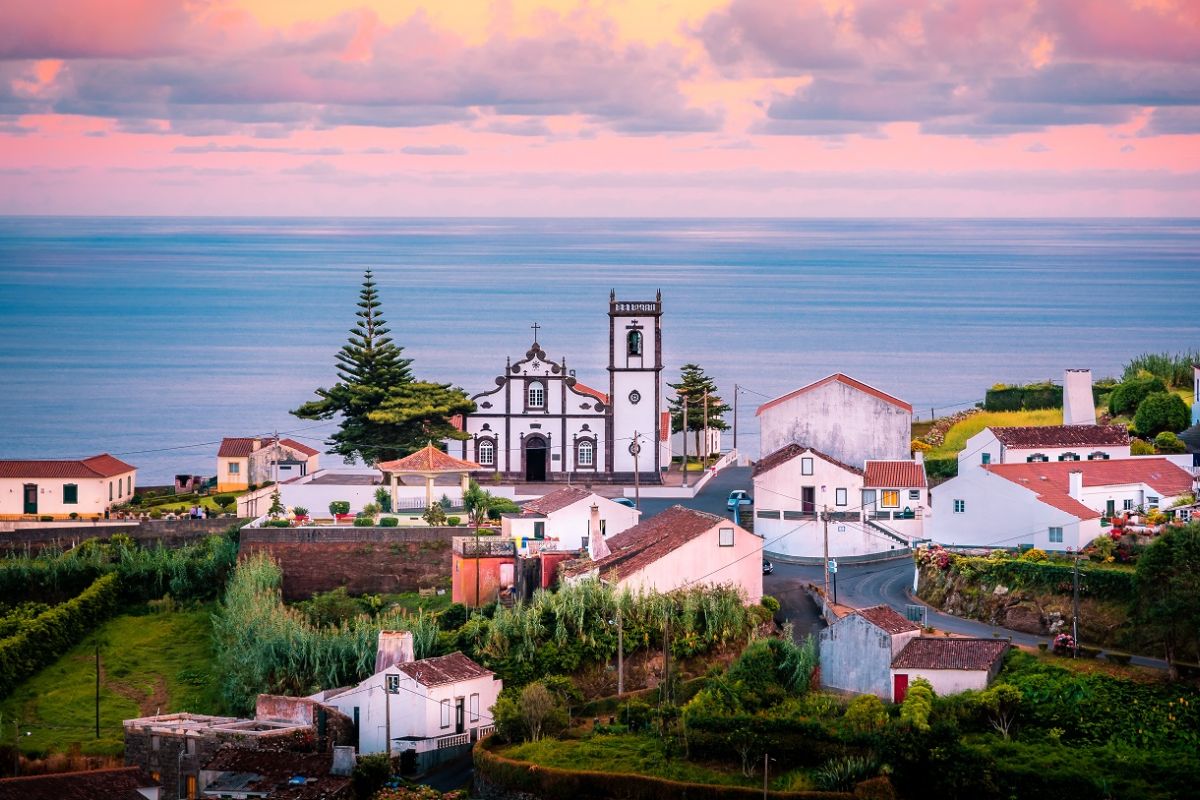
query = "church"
{"x": 541, "y": 424}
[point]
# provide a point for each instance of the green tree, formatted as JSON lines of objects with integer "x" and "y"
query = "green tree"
{"x": 1001, "y": 702}
{"x": 1161, "y": 411}
{"x": 276, "y": 509}
{"x": 1168, "y": 442}
{"x": 385, "y": 413}
{"x": 1167, "y": 590}
{"x": 694, "y": 385}
{"x": 1130, "y": 393}
{"x": 917, "y": 705}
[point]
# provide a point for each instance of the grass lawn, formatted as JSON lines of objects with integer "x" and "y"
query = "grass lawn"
{"x": 148, "y": 662}
{"x": 412, "y": 601}
{"x": 956, "y": 437}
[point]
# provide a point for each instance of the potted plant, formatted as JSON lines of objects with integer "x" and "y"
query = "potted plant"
{"x": 340, "y": 509}
{"x": 300, "y": 513}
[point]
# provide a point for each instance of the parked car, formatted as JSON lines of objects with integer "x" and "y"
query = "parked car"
{"x": 625, "y": 501}
{"x": 768, "y": 567}
{"x": 739, "y": 497}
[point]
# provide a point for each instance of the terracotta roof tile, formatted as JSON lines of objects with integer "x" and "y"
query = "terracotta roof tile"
{"x": 120, "y": 783}
{"x": 790, "y": 451}
{"x": 428, "y": 459}
{"x": 927, "y": 652}
{"x": 555, "y": 501}
{"x": 583, "y": 388}
{"x": 1062, "y": 436}
{"x": 894, "y": 475}
{"x": 647, "y": 542}
{"x": 237, "y": 447}
{"x": 888, "y": 619}
{"x": 839, "y": 378}
{"x": 443, "y": 669}
{"x": 301, "y": 448}
{"x": 101, "y": 466}
{"x": 1050, "y": 480}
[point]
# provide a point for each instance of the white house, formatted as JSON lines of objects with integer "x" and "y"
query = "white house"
{"x": 1033, "y": 443}
{"x": 85, "y": 487}
{"x": 677, "y": 548}
{"x": 857, "y": 650}
{"x": 874, "y": 509}
{"x": 951, "y": 665}
{"x": 242, "y": 461}
{"x": 433, "y": 704}
{"x": 844, "y": 418}
{"x": 1052, "y": 505}
{"x": 564, "y": 518}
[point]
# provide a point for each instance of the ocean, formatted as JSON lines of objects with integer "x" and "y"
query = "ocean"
{"x": 152, "y": 338}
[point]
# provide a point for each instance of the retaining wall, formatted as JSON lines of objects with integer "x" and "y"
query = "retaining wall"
{"x": 171, "y": 533}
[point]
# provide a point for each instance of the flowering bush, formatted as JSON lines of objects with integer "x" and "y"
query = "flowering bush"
{"x": 418, "y": 792}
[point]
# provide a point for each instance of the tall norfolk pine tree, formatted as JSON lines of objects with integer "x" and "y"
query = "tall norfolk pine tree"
{"x": 385, "y": 412}
{"x": 694, "y": 383}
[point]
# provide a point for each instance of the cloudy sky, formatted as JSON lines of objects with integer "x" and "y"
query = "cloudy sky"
{"x": 608, "y": 107}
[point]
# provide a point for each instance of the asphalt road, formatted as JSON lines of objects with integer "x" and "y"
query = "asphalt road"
{"x": 711, "y": 498}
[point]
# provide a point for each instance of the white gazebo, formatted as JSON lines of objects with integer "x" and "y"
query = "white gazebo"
{"x": 428, "y": 463}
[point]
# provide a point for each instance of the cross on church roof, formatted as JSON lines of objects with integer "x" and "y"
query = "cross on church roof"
{"x": 536, "y": 328}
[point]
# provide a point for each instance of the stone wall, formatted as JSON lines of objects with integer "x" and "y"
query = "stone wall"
{"x": 364, "y": 560}
{"x": 171, "y": 533}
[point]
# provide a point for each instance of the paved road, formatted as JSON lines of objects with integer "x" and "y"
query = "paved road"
{"x": 711, "y": 498}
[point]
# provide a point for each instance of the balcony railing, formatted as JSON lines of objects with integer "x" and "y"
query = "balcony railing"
{"x": 453, "y": 740}
{"x": 484, "y": 546}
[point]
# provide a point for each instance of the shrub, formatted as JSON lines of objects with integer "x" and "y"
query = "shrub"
{"x": 300, "y": 511}
{"x": 1175, "y": 370}
{"x": 1127, "y": 397}
{"x": 277, "y": 523}
{"x": 364, "y": 522}
{"x": 1034, "y": 554}
{"x": 383, "y": 499}
{"x": 156, "y": 513}
{"x": 917, "y": 705}
{"x": 388, "y": 522}
{"x": 842, "y": 774}
{"x": 369, "y": 510}
{"x": 445, "y": 502}
{"x": 74, "y": 515}
{"x": 1140, "y": 447}
{"x": 770, "y": 603}
{"x": 370, "y": 774}
{"x": 501, "y": 505}
{"x": 339, "y": 507}
{"x": 917, "y": 446}
{"x": 866, "y": 713}
{"x": 435, "y": 515}
{"x": 1168, "y": 442}
{"x": 1161, "y": 411}
{"x": 452, "y": 521}
{"x": 224, "y": 501}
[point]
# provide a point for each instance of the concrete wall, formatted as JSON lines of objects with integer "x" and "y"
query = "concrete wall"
{"x": 171, "y": 533}
{"x": 364, "y": 560}
{"x": 702, "y": 561}
{"x": 93, "y": 495}
{"x": 463, "y": 572}
{"x": 840, "y": 421}
{"x": 569, "y": 525}
{"x": 856, "y": 656}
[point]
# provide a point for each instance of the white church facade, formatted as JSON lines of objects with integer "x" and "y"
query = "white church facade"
{"x": 541, "y": 424}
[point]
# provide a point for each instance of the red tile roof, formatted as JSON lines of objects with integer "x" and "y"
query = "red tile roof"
{"x": 270, "y": 770}
{"x": 894, "y": 475}
{"x": 1062, "y": 436}
{"x": 888, "y": 619}
{"x": 101, "y": 466}
{"x": 839, "y": 378}
{"x": 790, "y": 451}
{"x": 1050, "y": 480}
{"x": 300, "y": 448}
{"x": 237, "y": 447}
{"x": 428, "y": 459}
{"x": 555, "y": 501}
{"x": 927, "y": 652}
{"x": 583, "y": 388}
{"x": 443, "y": 669}
{"x": 119, "y": 783}
{"x": 647, "y": 542}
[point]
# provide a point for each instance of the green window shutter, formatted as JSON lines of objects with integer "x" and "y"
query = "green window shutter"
{"x": 70, "y": 493}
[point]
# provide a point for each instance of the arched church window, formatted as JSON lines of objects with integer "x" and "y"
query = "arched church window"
{"x": 587, "y": 453}
{"x": 635, "y": 343}
{"x": 487, "y": 452}
{"x": 537, "y": 395}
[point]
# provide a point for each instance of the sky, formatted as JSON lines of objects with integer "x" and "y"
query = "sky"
{"x": 822, "y": 108}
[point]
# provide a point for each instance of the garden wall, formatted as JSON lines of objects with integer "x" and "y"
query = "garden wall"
{"x": 65, "y": 535}
{"x": 364, "y": 560}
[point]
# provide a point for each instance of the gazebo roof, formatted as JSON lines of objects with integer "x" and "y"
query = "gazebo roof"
{"x": 427, "y": 460}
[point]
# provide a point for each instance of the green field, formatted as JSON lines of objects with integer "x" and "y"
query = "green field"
{"x": 153, "y": 662}
{"x": 956, "y": 437}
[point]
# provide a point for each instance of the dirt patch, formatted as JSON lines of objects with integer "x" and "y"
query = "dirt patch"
{"x": 153, "y": 702}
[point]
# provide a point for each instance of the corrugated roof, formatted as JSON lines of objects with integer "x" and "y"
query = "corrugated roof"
{"x": 101, "y": 466}
{"x": 790, "y": 451}
{"x": 443, "y": 669}
{"x": 888, "y": 619}
{"x": 1027, "y": 436}
{"x": 237, "y": 447}
{"x": 894, "y": 475}
{"x": 839, "y": 378}
{"x": 1050, "y": 480}
{"x": 555, "y": 501}
{"x": 927, "y": 652}
{"x": 428, "y": 459}
{"x": 119, "y": 783}
{"x": 647, "y": 542}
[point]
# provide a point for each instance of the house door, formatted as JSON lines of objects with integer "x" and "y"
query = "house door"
{"x": 31, "y": 498}
{"x": 899, "y": 688}
{"x": 535, "y": 458}
{"x": 460, "y": 716}
{"x": 808, "y": 499}
{"x": 1110, "y": 508}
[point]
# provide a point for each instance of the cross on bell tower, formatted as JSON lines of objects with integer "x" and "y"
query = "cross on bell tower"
{"x": 536, "y": 328}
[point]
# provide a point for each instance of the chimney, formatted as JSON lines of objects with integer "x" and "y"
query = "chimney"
{"x": 343, "y": 761}
{"x": 1078, "y": 405}
{"x": 597, "y": 547}
{"x": 919, "y": 456}
{"x": 1075, "y": 484}
{"x": 395, "y": 647}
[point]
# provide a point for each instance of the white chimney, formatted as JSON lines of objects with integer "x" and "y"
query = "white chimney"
{"x": 1075, "y": 485}
{"x": 919, "y": 456}
{"x": 597, "y": 547}
{"x": 1078, "y": 406}
{"x": 394, "y": 647}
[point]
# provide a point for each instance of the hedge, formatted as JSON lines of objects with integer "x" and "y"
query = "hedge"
{"x": 942, "y": 468}
{"x": 46, "y": 637}
{"x": 1023, "y": 398}
{"x": 796, "y": 742}
{"x": 1109, "y": 584}
{"x": 552, "y": 783}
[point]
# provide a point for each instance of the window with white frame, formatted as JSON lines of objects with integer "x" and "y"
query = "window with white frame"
{"x": 445, "y": 713}
{"x": 235, "y": 468}
{"x": 1098, "y": 456}
{"x": 725, "y": 537}
{"x": 536, "y": 396}
{"x": 960, "y": 506}
{"x": 987, "y": 458}
{"x": 839, "y": 497}
{"x": 806, "y": 466}
{"x": 487, "y": 452}
{"x": 889, "y": 498}
{"x": 1055, "y": 535}
{"x": 587, "y": 453}
{"x": 1069, "y": 457}
{"x": 474, "y": 708}
{"x": 1037, "y": 458}
{"x": 914, "y": 494}
{"x": 1127, "y": 505}
{"x": 1151, "y": 501}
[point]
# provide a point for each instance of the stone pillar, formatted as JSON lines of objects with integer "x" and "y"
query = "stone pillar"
{"x": 395, "y": 500}
{"x": 428, "y": 491}
{"x": 466, "y": 483}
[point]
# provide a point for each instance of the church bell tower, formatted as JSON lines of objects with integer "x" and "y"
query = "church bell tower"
{"x": 635, "y": 386}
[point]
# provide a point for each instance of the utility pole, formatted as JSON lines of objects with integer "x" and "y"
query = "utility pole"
{"x": 685, "y": 438}
{"x": 97, "y": 688}
{"x": 825, "y": 519}
{"x": 705, "y": 433}
{"x": 765, "y": 768}
{"x": 1075, "y": 609}
{"x": 620, "y": 652}
{"x": 666, "y": 657}
{"x": 387, "y": 713}
{"x": 636, "y": 448}
{"x": 736, "y": 390}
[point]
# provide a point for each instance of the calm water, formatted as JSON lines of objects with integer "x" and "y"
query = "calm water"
{"x": 127, "y": 335}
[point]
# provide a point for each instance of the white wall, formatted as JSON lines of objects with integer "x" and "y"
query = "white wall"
{"x": 944, "y": 681}
{"x": 847, "y": 424}
{"x": 570, "y": 524}
{"x": 1015, "y": 455}
{"x": 635, "y": 373}
{"x": 712, "y": 435}
{"x": 702, "y": 561}
{"x": 92, "y": 494}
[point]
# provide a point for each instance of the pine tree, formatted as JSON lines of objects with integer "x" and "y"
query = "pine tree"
{"x": 385, "y": 412}
{"x": 694, "y": 384}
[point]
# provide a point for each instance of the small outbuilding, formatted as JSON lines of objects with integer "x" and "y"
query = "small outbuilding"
{"x": 858, "y": 649}
{"x": 951, "y": 665}
{"x": 564, "y": 517}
